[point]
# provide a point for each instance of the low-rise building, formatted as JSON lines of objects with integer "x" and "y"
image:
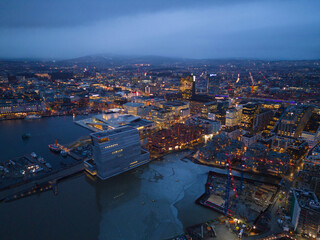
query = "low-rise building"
{"x": 219, "y": 149}
{"x": 179, "y": 136}
{"x": 209, "y": 126}
{"x": 258, "y": 158}
{"x": 249, "y": 139}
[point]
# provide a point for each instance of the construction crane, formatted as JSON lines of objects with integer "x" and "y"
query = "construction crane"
{"x": 243, "y": 160}
{"x": 263, "y": 75}
{"x": 238, "y": 79}
{"x": 252, "y": 82}
{"x": 230, "y": 180}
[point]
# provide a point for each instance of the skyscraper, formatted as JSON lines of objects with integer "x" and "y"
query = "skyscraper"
{"x": 186, "y": 86}
{"x": 248, "y": 113}
{"x": 116, "y": 151}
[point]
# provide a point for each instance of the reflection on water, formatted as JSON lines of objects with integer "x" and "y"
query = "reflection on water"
{"x": 155, "y": 201}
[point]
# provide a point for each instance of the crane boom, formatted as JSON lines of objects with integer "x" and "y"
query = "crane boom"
{"x": 238, "y": 79}
{"x": 252, "y": 82}
{"x": 251, "y": 78}
{"x": 263, "y": 75}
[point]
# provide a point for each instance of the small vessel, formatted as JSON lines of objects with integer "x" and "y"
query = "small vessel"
{"x": 26, "y": 136}
{"x": 33, "y": 154}
{"x": 34, "y": 116}
{"x": 54, "y": 147}
{"x": 41, "y": 159}
{"x": 48, "y": 165}
{"x": 63, "y": 153}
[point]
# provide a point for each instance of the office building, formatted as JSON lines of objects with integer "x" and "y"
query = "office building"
{"x": 162, "y": 117}
{"x": 215, "y": 110}
{"x": 175, "y": 106}
{"x": 186, "y": 86}
{"x": 209, "y": 126}
{"x": 311, "y": 132}
{"x": 132, "y": 108}
{"x": 116, "y": 151}
{"x": 305, "y": 213}
{"x": 262, "y": 119}
{"x": 233, "y": 116}
{"x": 294, "y": 121}
{"x": 11, "y": 108}
{"x": 248, "y": 113}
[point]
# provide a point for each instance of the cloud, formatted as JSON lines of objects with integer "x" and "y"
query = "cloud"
{"x": 264, "y": 29}
{"x": 61, "y": 13}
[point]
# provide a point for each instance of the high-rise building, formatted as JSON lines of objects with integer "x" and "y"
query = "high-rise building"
{"x": 248, "y": 112}
{"x": 262, "y": 119}
{"x": 186, "y": 86}
{"x": 233, "y": 116}
{"x": 116, "y": 151}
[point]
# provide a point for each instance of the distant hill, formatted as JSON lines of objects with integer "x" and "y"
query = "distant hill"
{"x": 110, "y": 60}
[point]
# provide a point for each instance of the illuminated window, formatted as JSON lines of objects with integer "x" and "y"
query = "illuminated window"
{"x": 118, "y": 151}
{"x": 110, "y": 146}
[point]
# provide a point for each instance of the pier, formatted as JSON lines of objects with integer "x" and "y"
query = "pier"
{"x": 54, "y": 177}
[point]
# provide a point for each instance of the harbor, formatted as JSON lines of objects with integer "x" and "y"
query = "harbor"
{"x": 32, "y": 173}
{"x": 163, "y": 193}
{"x": 159, "y": 192}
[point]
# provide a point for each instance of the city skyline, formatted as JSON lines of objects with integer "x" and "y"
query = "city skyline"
{"x": 175, "y": 120}
{"x": 250, "y": 29}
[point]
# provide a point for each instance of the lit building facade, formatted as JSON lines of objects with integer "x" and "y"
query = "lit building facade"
{"x": 116, "y": 151}
{"x": 16, "y": 107}
{"x": 186, "y": 86}
{"x": 209, "y": 126}
{"x": 294, "y": 121}
{"x": 162, "y": 117}
{"x": 215, "y": 110}
{"x": 175, "y": 106}
{"x": 233, "y": 116}
{"x": 179, "y": 136}
{"x": 248, "y": 113}
{"x": 132, "y": 108}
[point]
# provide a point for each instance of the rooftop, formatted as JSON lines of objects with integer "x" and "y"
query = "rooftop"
{"x": 307, "y": 199}
{"x": 175, "y": 103}
{"x": 133, "y": 104}
{"x": 99, "y": 135}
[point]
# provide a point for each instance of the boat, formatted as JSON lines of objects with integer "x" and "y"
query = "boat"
{"x": 26, "y": 136}
{"x": 48, "y": 165}
{"x": 34, "y": 116}
{"x": 54, "y": 147}
{"x": 63, "y": 153}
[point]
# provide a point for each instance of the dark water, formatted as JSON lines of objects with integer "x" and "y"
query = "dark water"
{"x": 155, "y": 201}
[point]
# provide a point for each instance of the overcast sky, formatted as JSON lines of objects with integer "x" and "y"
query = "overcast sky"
{"x": 272, "y": 29}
